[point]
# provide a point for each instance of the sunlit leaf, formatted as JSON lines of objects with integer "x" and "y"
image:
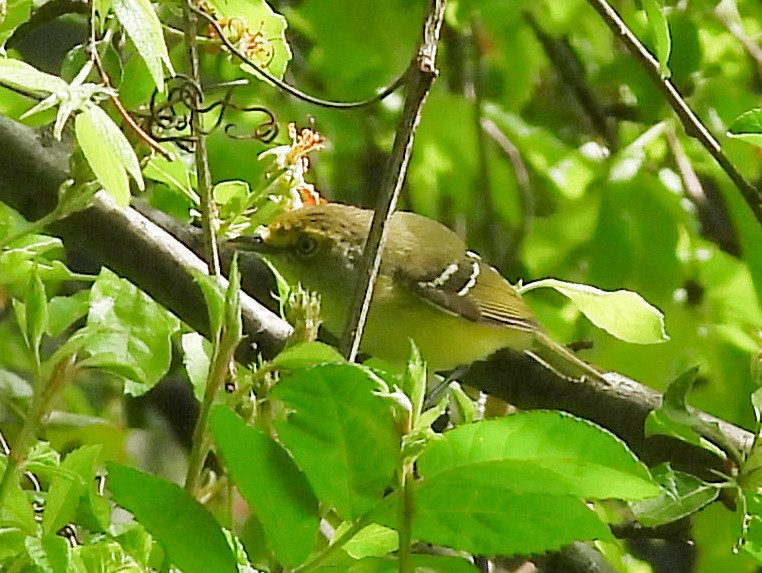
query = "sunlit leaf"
{"x": 190, "y": 535}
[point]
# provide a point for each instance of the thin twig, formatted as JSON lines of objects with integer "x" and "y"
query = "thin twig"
{"x": 421, "y": 74}
{"x": 208, "y": 208}
{"x": 572, "y": 74}
{"x": 521, "y": 172}
{"x": 473, "y": 89}
{"x": 128, "y": 119}
{"x": 217, "y": 370}
{"x": 691, "y": 123}
{"x": 33, "y": 170}
{"x": 289, "y": 88}
{"x": 693, "y": 188}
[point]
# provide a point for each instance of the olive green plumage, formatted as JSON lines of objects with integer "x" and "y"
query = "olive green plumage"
{"x": 430, "y": 287}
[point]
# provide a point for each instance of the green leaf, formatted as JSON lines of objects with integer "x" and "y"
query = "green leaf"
{"x": 414, "y": 381}
{"x": 197, "y": 356}
{"x": 523, "y": 453}
{"x": 108, "y": 152}
{"x": 17, "y": 511}
{"x": 67, "y": 488}
{"x": 268, "y": 26}
{"x": 191, "y": 537}
{"x": 109, "y": 557}
{"x": 420, "y": 563}
{"x": 174, "y": 174}
{"x": 16, "y": 12}
{"x": 748, "y": 127}
{"x": 11, "y": 541}
{"x": 274, "y": 486}
{"x": 49, "y": 553}
{"x": 371, "y": 541}
{"x": 13, "y": 386}
{"x": 36, "y": 307}
{"x": 682, "y": 495}
{"x": 660, "y": 30}
{"x": 341, "y": 434}
{"x": 675, "y": 418}
{"x": 214, "y": 296}
{"x": 621, "y": 313}
{"x": 144, "y": 29}
{"x": 102, "y": 158}
{"x": 63, "y": 311}
{"x": 134, "y": 540}
{"x": 306, "y": 354}
{"x": 233, "y": 326}
{"x": 20, "y": 75}
{"x": 132, "y": 333}
{"x": 494, "y": 520}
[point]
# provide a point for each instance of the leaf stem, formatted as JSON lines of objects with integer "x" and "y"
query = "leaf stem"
{"x": 404, "y": 553}
{"x": 337, "y": 544}
{"x": 201, "y": 443}
{"x": 41, "y": 399}
{"x": 29, "y": 228}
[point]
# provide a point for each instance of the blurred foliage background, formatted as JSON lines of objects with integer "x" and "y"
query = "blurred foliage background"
{"x": 545, "y": 144}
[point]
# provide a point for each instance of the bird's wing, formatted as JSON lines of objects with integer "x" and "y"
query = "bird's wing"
{"x": 474, "y": 290}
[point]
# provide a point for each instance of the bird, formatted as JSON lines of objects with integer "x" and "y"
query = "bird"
{"x": 430, "y": 288}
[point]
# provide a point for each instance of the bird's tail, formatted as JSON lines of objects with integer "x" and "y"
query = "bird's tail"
{"x": 562, "y": 361}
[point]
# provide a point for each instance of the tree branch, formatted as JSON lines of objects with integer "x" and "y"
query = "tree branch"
{"x": 420, "y": 76}
{"x": 155, "y": 261}
{"x": 691, "y": 123}
{"x": 122, "y": 239}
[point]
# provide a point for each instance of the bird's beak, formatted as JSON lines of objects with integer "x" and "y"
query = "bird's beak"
{"x": 250, "y": 243}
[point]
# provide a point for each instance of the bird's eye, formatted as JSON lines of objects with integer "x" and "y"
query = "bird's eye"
{"x": 306, "y": 246}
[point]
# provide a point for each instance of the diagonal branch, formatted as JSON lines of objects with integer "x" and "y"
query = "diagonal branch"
{"x": 691, "y": 123}
{"x": 159, "y": 264}
{"x": 420, "y": 76}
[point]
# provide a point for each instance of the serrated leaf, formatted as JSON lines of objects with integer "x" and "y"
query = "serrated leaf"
{"x": 144, "y": 29}
{"x": 191, "y": 537}
{"x": 49, "y": 553}
{"x": 675, "y": 418}
{"x": 268, "y": 26}
{"x": 233, "y": 326}
{"x": 660, "y": 30}
{"x": 420, "y": 564}
{"x": 20, "y": 75}
{"x": 495, "y": 521}
{"x": 102, "y": 159}
{"x": 682, "y": 495}
{"x": 67, "y": 489}
{"x": 109, "y": 556}
{"x": 214, "y": 296}
{"x": 523, "y": 453}
{"x": 341, "y": 434}
{"x": 748, "y": 127}
{"x": 132, "y": 333}
{"x": 36, "y": 310}
{"x": 751, "y": 536}
{"x": 174, "y": 174}
{"x": 16, "y": 12}
{"x": 274, "y": 486}
{"x": 11, "y": 541}
{"x": 63, "y": 311}
{"x": 108, "y": 152}
{"x": 17, "y": 510}
{"x": 622, "y": 313}
{"x": 197, "y": 356}
{"x": 371, "y": 541}
{"x": 414, "y": 381}
{"x": 306, "y": 354}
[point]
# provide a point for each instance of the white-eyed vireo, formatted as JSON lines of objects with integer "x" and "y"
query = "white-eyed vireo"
{"x": 430, "y": 287}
